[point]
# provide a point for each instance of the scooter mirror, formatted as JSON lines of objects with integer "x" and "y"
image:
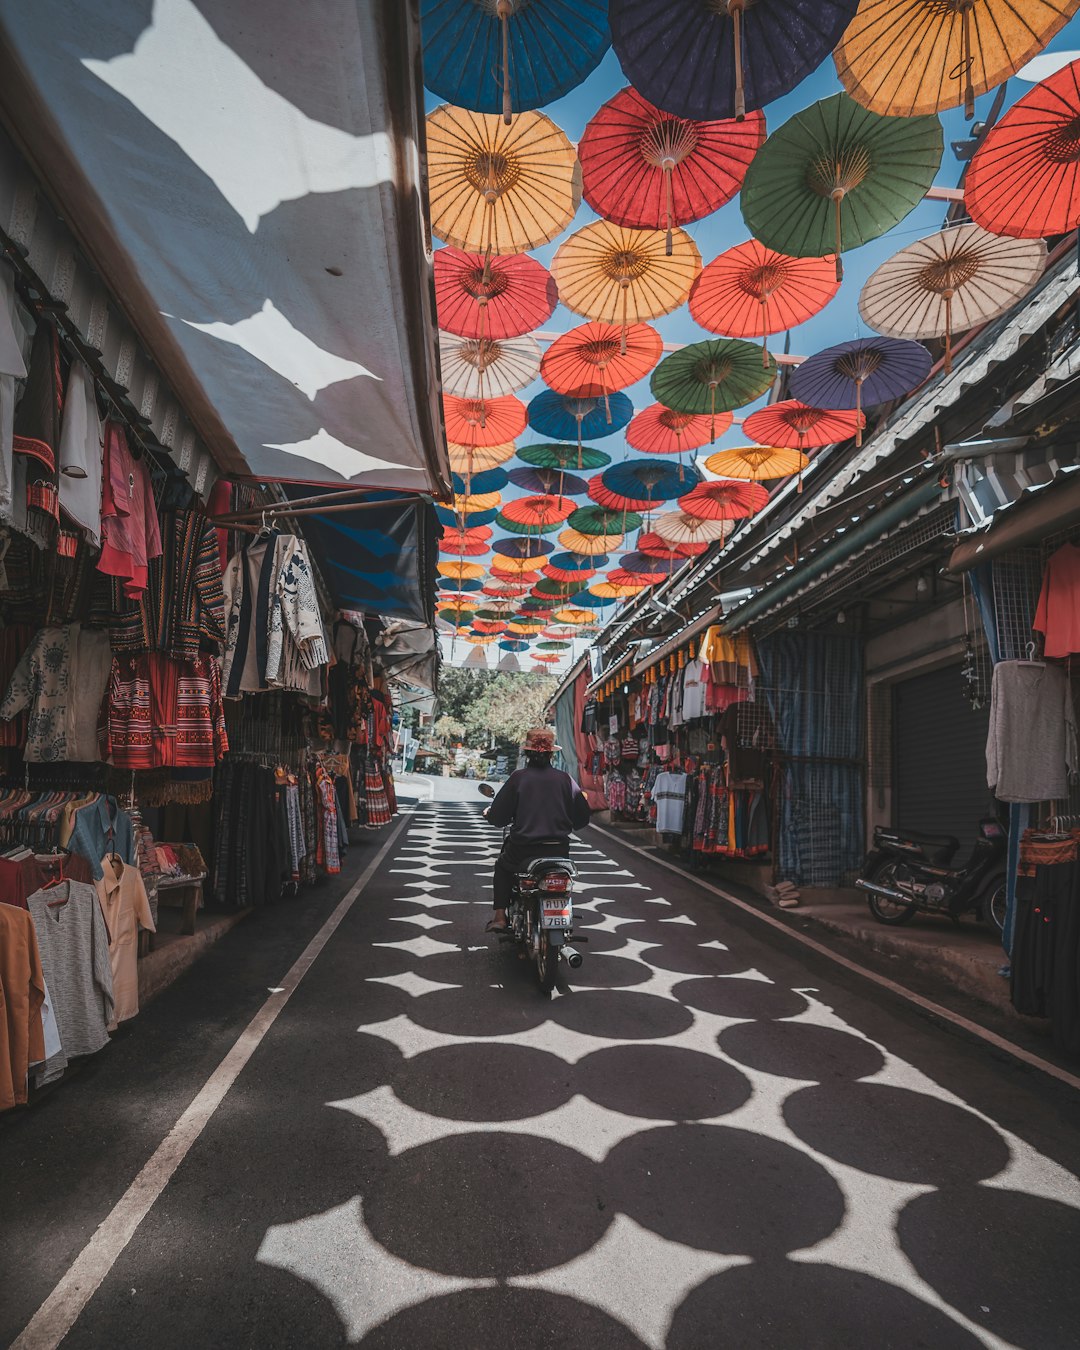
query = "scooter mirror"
{"x": 485, "y": 789}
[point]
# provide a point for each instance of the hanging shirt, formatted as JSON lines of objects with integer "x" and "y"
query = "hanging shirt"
{"x": 61, "y": 679}
{"x": 1058, "y": 614}
{"x": 12, "y": 368}
{"x": 74, "y": 946}
{"x": 1031, "y": 748}
{"x": 100, "y": 828}
{"x": 669, "y": 794}
{"x": 130, "y": 535}
{"x": 693, "y": 700}
{"x": 20, "y": 878}
{"x": 165, "y": 713}
{"x": 81, "y": 454}
{"x": 22, "y": 992}
{"x": 122, "y": 896}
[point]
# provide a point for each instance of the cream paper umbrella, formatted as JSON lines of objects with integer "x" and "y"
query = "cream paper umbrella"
{"x": 467, "y": 459}
{"x": 679, "y": 528}
{"x": 949, "y": 282}
{"x": 482, "y": 368}
{"x": 590, "y": 544}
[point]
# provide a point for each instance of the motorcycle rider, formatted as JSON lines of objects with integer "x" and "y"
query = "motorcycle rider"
{"x": 542, "y": 805}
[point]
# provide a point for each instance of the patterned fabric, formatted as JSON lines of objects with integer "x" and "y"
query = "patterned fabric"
{"x": 130, "y": 534}
{"x": 378, "y": 807}
{"x": 60, "y": 678}
{"x": 165, "y": 713}
{"x": 327, "y": 853}
{"x": 294, "y": 816}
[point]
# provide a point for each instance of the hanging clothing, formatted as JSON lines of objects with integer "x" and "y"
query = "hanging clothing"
{"x": 81, "y": 449}
{"x": 1057, "y": 616}
{"x": 20, "y": 878}
{"x": 165, "y": 713}
{"x": 14, "y": 641}
{"x": 1031, "y": 748}
{"x": 61, "y": 679}
{"x": 130, "y": 535}
{"x": 102, "y": 827}
{"x": 124, "y": 904}
{"x": 669, "y": 794}
{"x": 12, "y": 368}
{"x": 74, "y": 946}
{"x": 693, "y": 698}
{"x": 22, "y": 993}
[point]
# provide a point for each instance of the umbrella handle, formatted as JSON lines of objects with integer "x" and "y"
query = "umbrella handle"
{"x": 948, "y": 332}
{"x": 503, "y": 11}
{"x": 838, "y": 197}
{"x": 764, "y": 302}
{"x": 668, "y": 207}
{"x": 735, "y": 9}
{"x": 858, "y": 409}
{"x": 967, "y": 61}
{"x": 624, "y": 287}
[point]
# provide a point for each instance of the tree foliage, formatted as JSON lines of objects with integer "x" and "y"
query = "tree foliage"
{"x": 495, "y": 705}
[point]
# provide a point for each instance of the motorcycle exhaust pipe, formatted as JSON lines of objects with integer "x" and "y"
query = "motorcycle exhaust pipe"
{"x": 571, "y": 957}
{"x": 885, "y": 891}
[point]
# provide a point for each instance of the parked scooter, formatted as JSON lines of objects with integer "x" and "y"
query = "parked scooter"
{"x": 908, "y": 872}
{"x": 540, "y": 915}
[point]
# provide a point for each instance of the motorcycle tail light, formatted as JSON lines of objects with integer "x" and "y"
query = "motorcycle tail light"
{"x": 527, "y": 884}
{"x": 555, "y": 883}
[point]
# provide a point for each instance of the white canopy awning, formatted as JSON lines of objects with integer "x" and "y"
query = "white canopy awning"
{"x": 248, "y": 179}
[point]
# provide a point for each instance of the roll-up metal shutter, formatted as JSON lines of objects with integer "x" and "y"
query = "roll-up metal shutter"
{"x": 939, "y": 756}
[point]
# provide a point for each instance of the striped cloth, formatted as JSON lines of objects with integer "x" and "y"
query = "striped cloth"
{"x": 165, "y": 713}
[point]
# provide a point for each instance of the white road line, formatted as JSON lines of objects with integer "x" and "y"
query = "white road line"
{"x": 928, "y": 1005}
{"x": 57, "y": 1315}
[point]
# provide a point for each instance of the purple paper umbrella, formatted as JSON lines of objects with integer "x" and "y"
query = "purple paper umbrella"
{"x": 861, "y": 374}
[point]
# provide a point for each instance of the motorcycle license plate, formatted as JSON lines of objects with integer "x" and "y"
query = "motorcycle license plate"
{"x": 555, "y": 914}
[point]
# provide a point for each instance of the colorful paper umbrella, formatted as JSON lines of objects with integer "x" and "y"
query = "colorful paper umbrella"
{"x": 452, "y": 591}
{"x": 461, "y": 570}
{"x": 624, "y": 276}
{"x": 717, "y": 59}
{"x": 554, "y": 645}
{"x": 524, "y": 624}
{"x": 836, "y": 176}
{"x": 513, "y": 645}
{"x": 644, "y": 168}
{"x": 598, "y": 521}
{"x": 648, "y": 568}
{"x": 473, "y": 422}
{"x": 503, "y": 592}
{"x": 724, "y": 501}
{"x": 499, "y": 189}
{"x": 580, "y": 573}
{"x": 595, "y": 359}
{"x": 906, "y": 57}
{"x": 712, "y": 377}
{"x": 577, "y": 562}
{"x": 495, "y": 609}
{"x": 752, "y": 291}
{"x": 583, "y": 417}
{"x": 541, "y": 514}
{"x": 473, "y": 484}
{"x": 466, "y": 459}
{"x": 610, "y": 590}
{"x": 479, "y": 501}
{"x": 576, "y": 542}
{"x": 861, "y": 373}
{"x": 949, "y": 282}
{"x": 558, "y": 588}
{"x": 488, "y": 627}
{"x": 482, "y": 368}
{"x": 549, "y": 481}
{"x": 679, "y": 528}
{"x": 613, "y": 501}
{"x": 513, "y": 54}
{"x": 801, "y": 427}
{"x": 563, "y": 456}
{"x": 559, "y": 634}
{"x": 522, "y": 548}
{"x": 656, "y": 546}
{"x": 524, "y": 567}
{"x": 580, "y": 618}
{"x": 448, "y": 516}
{"x": 759, "y": 463}
{"x": 511, "y": 297}
{"x": 648, "y": 480}
{"x": 539, "y": 604}
{"x": 657, "y": 430}
{"x": 459, "y": 542}
{"x": 587, "y": 600}
{"x": 1024, "y": 180}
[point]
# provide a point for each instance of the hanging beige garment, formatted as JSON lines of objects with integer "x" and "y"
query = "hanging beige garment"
{"x": 126, "y": 907}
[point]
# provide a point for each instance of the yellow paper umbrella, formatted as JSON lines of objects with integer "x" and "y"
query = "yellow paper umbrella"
{"x": 466, "y": 460}
{"x": 758, "y": 462}
{"x": 580, "y": 618}
{"x": 479, "y": 501}
{"x": 494, "y": 188}
{"x": 607, "y": 590}
{"x": 518, "y": 566}
{"x": 617, "y": 275}
{"x": 592, "y": 544}
{"x": 904, "y": 58}
{"x": 460, "y": 571}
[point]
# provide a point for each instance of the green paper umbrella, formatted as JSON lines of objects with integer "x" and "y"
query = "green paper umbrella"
{"x": 518, "y": 527}
{"x": 553, "y": 646}
{"x": 564, "y": 588}
{"x": 711, "y": 377}
{"x": 525, "y": 620}
{"x": 836, "y": 176}
{"x": 599, "y": 520}
{"x": 552, "y": 455}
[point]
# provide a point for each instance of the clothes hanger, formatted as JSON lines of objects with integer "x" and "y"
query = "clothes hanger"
{"x": 1031, "y": 659}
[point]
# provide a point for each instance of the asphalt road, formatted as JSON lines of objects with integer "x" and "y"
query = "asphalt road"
{"x": 709, "y": 1138}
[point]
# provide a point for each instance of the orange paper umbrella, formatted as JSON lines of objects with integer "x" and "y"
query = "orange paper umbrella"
{"x": 580, "y": 618}
{"x": 494, "y": 188}
{"x": 460, "y": 571}
{"x": 619, "y": 576}
{"x": 503, "y": 590}
{"x": 576, "y": 542}
{"x": 680, "y": 528}
{"x": 1024, "y": 180}
{"x": 597, "y": 359}
{"x": 488, "y": 627}
{"x": 656, "y": 546}
{"x": 647, "y": 169}
{"x": 511, "y": 297}
{"x": 802, "y": 427}
{"x": 541, "y": 511}
{"x": 752, "y": 291}
{"x": 756, "y": 462}
{"x": 610, "y": 590}
{"x": 622, "y": 276}
{"x": 483, "y": 422}
{"x": 458, "y": 542}
{"x": 723, "y": 501}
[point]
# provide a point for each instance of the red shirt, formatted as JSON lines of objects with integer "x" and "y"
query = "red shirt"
{"x": 1058, "y": 614}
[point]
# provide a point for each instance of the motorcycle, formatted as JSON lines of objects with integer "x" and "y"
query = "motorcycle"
{"x": 540, "y": 915}
{"x": 909, "y": 872}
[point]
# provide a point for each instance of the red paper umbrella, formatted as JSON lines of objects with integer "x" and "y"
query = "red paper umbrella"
{"x": 621, "y": 577}
{"x": 568, "y": 574}
{"x": 656, "y": 546}
{"x": 521, "y": 581}
{"x": 752, "y": 291}
{"x": 546, "y": 657}
{"x": 724, "y": 500}
{"x": 798, "y": 426}
{"x": 1024, "y": 181}
{"x": 491, "y": 626}
{"x": 463, "y": 548}
{"x": 542, "y": 510}
{"x": 476, "y": 422}
{"x": 660, "y": 431}
{"x": 589, "y": 361}
{"x": 647, "y": 169}
{"x": 615, "y": 501}
{"x": 503, "y": 590}
{"x": 518, "y": 296}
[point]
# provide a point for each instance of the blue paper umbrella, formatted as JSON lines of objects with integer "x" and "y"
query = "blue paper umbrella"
{"x": 448, "y": 516}
{"x": 521, "y": 548}
{"x": 861, "y": 374}
{"x": 586, "y": 600}
{"x": 465, "y": 584}
{"x": 487, "y": 480}
{"x": 553, "y": 481}
{"x": 513, "y": 54}
{"x": 649, "y": 480}
{"x": 644, "y": 562}
{"x": 578, "y": 562}
{"x": 692, "y": 59}
{"x": 567, "y": 418}
{"x": 513, "y": 645}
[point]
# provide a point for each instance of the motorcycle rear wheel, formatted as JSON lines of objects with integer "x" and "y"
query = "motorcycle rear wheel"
{"x": 547, "y": 961}
{"x": 993, "y": 904}
{"x": 891, "y": 912}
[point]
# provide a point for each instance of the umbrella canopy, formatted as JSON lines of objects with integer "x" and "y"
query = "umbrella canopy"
{"x": 644, "y": 168}
{"x": 720, "y": 59}
{"x": 451, "y": 516}
{"x": 611, "y": 590}
{"x": 488, "y": 480}
{"x": 590, "y": 544}
{"x": 599, "y": 522}
{"x": 513, "y": 54}
{"x": 647, "y": 480}
{"x": 949, "y": 282}
{"x": 537, "y": 605}
{"x": 480, "y": 422}
{"x": 712, "y": 377}
{"x": 752, "y": 291}
{"x": 724, "y": 500}
{"x": 488, "y": 627}
{"x": 580, "y": 618}
{"x": 559, "y": 588}
{"x": 563, "y": 456}
{"x": 906, "y": 57}
{"x": 465, "y": 505}
{"x": 656, "y": 546}
{"x": 657, "y": 430}
{"x": 548, "y": 480}
{"x": 680, "y": 528}
{"x": 520, "y": 570}
{"x": 513, "y": 645}
{"x": 584, "y": 417}
{"x": 546, "y": 657}
{"x": 526, "y": 623}
{"x": 521, "y": 548}
{"x": 451, "y": 589}
{"x": 506, "y": 299}
{"x": 503, "y": 591}
{"x": 466, "y": 543}
{"x": 595, "y": 359}
{"x": 800, "y": 427}
{"x": 481, "y": 368}
{"x": 649, "y": 566}
{"x": 623, "y": 276}
{"x": 757, "y": 462}
{"x": 577, "y": 562}
{"x": 559, "y": 634}
{"x": 583, "y": 572}
{"x": 554, "y": 645}
{"x": 461, "y": 570}
{"x": 863, "y": 372}
{"x": 499, "y": 189}
{"x": 542, "y": 513}
{"x": 613, "y": 501}
{"x": 1024, "y": 180}
{"x": 468, "y": 459}
{"x": 836, "y": 176}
